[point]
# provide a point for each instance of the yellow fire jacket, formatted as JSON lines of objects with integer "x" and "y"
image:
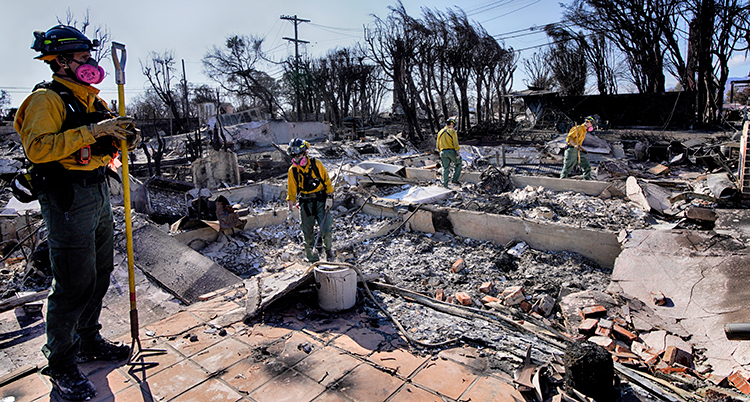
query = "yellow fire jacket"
{"x": 293, "y": 187}
{"x": 576, "y": 135}
{"x": 447, "y": 138}
{"x": 39, "y": 120}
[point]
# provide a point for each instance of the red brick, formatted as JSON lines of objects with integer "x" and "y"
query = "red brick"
{"x": 587, "y": 326}
{"x": 658, "y": 298}
{"x": 619, "y": 321}
{"x": 739, "y": 382}
{"x": 449, "y": 299}
{"x": 440, "y": 295}
{"x": 624, "y": 333}
{"x": 463, "y": 298}
{"x": 525, "y": 306}
{"x": 489, "y": 299}
{"x": 458, "y": 265}
{"x": 622, "y": 348}
{"x": 594, "y": 311}
{"x": 486, "y": 287}
{"x": 601, "y": 331}
{"x": 674, "y": 355}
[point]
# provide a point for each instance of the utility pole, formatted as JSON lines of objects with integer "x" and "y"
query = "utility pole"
{"x": 185, "y": 107}
{"x": 296, "y": 41}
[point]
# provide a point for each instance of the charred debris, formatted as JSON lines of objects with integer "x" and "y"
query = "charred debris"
{"x": 511, "y": 260}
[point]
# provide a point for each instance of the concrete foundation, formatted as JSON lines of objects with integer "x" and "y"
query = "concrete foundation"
{"x": 598, "y": 245}
{"x": 216, "y": 168}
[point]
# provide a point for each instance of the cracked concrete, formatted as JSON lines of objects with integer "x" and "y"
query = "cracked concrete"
{"x": 703, "y": 275}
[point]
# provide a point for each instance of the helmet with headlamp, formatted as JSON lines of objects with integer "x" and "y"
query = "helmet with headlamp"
{"x": 60, "y": 43}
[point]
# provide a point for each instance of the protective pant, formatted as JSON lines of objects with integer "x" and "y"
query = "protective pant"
{"x": 312, "y": 211}
{"x": 571, "y": 158}
{"x": 80, "y": 236}
{"x": 448, "y": 156}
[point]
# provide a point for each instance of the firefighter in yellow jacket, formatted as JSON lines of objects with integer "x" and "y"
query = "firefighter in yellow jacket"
{"x": 70, "y": 136}
{"x": 447, "y": 145}
{"x": 308, "y": 182}
{"x": 575, "y": 152}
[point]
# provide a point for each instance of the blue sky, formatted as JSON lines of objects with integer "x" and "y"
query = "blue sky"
{"x": 189, "y": 28}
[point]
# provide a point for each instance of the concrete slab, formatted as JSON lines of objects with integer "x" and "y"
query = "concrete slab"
{"x": 245, "y": 194}
{"x": 599, "y": 245}
{"x": 705, "y": 278}
{"x": 264, "y": 291}
{"x": 422, "y": 195}
{"x": 735, "y": 222}
{"x": 588, "y": 187}
{"x": 182, "y": 271}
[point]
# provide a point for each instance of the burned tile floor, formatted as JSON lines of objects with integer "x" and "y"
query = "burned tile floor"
{"x": 490, "y": 347}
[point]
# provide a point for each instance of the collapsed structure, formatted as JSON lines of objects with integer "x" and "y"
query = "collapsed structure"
{"x": 648, "y": 261}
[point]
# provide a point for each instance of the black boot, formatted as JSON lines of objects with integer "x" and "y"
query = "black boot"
{"x": 103, "y": 349}
{"x": 330, "y": 256}
{"x": 70, "y": 383}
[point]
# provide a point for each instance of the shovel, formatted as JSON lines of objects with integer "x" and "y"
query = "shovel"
{"x": 136, "y": 354}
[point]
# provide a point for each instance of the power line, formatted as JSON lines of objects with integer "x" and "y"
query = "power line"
{"x": 511, "y": 12}
{"x": 328, "y": 30}
{"x": 334, "y": 28}
{"x": 488, "y": 6}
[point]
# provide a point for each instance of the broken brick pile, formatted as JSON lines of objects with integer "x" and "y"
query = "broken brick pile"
{"x": 512, "y": 296}
{"x": 628, "y": 349}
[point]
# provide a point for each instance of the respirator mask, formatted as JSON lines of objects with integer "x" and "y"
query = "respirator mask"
{"x": 300, "y": 160}
{"x": 89, "y": 72}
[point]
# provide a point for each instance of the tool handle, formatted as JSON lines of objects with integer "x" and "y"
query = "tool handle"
{"x": 119, "y": 62}
{"x": 737, "y": 331}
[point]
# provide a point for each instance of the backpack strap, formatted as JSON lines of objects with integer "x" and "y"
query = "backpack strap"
{"x": 77, "y": 116}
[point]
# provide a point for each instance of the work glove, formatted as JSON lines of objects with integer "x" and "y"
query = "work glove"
{"x": 119, "y": 127}
{"x": 134, "y": 139}
{"x": 329, "y": 202}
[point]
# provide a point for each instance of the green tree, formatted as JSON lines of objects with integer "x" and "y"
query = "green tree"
{"x": 235, "y": 68}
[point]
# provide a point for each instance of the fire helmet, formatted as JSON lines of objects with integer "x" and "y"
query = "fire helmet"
{"x": 297, "y": 146}
{"x": 61, "y": 39}
{"x": 451, "y": 120}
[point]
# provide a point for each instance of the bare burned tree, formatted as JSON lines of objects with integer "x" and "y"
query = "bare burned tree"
{"x": 502, "y": 78}
{"x": 391, "y": 44}
{"x": 598, "y": 52}
{"x": 101, "y": 33}
{"x": 487, "y": 57}
{"x": 234, "y": 68}
{"x": 729, "y": 23}
{"x": 643, "y": 30}
{"x": 568, "y": 63}
{"x": 159, "y": 71}
{"x": 649, "y": 33}
{"x": 433, "y": 70}
{"x": 463, "y": 41}
{"x": 538, "y": 69}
